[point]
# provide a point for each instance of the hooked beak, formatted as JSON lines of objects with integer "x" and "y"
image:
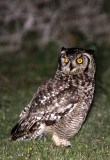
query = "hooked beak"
{"x": 71, "y": 67}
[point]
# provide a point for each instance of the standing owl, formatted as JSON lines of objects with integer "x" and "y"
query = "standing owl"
{"x": 60, "y": 105}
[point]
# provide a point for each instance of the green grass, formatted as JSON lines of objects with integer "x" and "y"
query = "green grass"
{"x": 20, "y": 76}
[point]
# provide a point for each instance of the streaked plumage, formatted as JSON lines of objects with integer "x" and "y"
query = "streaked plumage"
{"x": 60, "y": 105}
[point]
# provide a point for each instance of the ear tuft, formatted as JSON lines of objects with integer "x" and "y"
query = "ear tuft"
{"x": 63, "y": 48}
{"x": 90, "y": 51}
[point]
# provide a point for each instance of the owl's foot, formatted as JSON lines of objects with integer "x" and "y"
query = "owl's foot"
{"x": 58, "y": 141}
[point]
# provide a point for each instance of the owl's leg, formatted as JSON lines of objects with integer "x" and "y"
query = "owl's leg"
{"x": 58, "y": 141}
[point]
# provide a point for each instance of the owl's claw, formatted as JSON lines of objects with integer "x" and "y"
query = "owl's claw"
{"x": 59, "y": 142}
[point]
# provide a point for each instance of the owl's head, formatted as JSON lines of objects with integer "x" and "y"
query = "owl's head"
{"x": 76, "y": 59}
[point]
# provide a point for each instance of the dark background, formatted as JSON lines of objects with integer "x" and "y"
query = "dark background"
{"x": 27, "y": 24}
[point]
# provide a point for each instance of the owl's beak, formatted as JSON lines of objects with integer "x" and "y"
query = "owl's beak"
{"x": 71, "y": 67}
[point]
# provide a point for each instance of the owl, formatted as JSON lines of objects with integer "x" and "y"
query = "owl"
{"x": 59, "y": 106}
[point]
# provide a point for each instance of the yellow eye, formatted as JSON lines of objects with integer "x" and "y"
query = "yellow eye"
{"x": 66, "y": 60}
{"x": 79, "y": 60}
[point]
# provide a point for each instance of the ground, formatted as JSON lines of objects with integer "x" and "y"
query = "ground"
{"x": 20, "y": 76}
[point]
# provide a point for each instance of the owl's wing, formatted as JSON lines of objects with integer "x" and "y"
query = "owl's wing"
{"x": 46, "y": 107}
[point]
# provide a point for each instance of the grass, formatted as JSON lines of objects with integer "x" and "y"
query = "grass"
{"x": 20, "y": 76}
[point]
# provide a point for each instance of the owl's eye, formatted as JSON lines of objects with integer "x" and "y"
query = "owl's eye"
{"x": 66, "y": 60}
{"x": 79, "y": 60}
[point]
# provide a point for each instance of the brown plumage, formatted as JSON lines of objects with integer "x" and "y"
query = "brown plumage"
{"x": 60, "y": 105}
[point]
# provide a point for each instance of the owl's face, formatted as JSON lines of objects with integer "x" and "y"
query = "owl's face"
{"x": 74, "y": 59}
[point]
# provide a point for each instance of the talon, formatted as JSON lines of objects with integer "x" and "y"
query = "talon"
{"x": 58, "y": 141}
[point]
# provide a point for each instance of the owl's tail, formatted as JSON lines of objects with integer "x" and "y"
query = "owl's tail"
{"x": 22, "y": 130}
{"x": 17, "y": 131}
